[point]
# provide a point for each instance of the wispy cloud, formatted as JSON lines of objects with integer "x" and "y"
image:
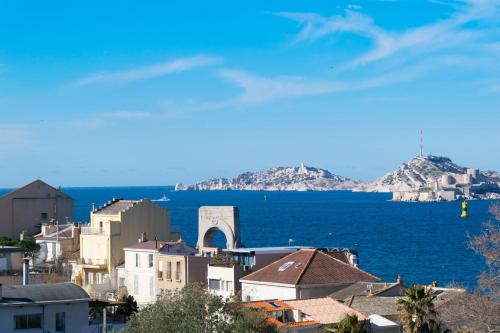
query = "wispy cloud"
{"x": 473, "y": 25}
{"x": 148, "y": 72}
{"x": 259, "y": 89}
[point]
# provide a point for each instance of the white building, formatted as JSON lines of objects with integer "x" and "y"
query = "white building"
{"x": 307, "y": 273}
{"x": 138, "y": 274}
{"x": 153, "y": 268}
{"x": 58, "y": 307}
{"x": 223, "y": 275}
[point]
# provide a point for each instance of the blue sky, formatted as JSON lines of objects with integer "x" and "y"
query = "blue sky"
{"x": 128, "y": 93}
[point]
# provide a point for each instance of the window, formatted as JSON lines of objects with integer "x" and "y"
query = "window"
{"x": 169, "y": 270}
{"x": 27, "y": 321}
{"x": 136, "y": 285}
{"x": 151, "y": 287}
{"x": 214, "y": 284}
{"x": 137, "y": 260}
{"x": 60, "y": 322}
{"x": 150, "y": 256}
{"x": 283, "y": 267}
{"x": 178, "y": 270}
{"x": 44, "y": 216}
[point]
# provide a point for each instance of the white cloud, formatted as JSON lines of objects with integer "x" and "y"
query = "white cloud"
{"x": 148, "y": 72}
{"x": 128, "y": 115}
{"x": 457, "y": 33}
{"x": 16, "y": 138}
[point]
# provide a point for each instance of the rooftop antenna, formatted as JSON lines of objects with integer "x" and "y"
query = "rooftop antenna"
{"x": 421, "y": 144}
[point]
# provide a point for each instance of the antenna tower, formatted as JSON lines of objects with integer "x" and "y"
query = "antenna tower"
{"x": 421, "y": 144}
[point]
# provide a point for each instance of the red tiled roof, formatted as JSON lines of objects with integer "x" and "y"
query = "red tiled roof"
{"x": 270, "y": 306}
{"x": 309, "y": 266}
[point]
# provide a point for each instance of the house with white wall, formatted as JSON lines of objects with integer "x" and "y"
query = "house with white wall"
{"x": 224, "y": 272}
{"x": 41, "y": 308}
{"x": 153, "y": 269}
{"x": 307, "y": 273}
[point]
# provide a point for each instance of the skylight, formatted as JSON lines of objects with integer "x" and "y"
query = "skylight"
{"x": 285, "y": 266}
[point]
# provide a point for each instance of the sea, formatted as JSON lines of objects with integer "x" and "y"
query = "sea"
{"x": 423, "y": 242}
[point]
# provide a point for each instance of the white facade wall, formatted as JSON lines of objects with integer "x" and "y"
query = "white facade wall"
{"x": 253, "y": 291}
{"x": 140, "y": 277}
{"x": 76, "y": 317}
{"x": 226, "y": 278}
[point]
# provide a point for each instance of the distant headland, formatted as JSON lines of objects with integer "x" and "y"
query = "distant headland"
{"x": 423, "y": 178}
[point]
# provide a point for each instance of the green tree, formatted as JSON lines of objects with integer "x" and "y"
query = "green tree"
{"x": 6, "y": 241}
{"x": 194, "y": 310}
{"x": 30, "y": 246}
{"x": 418, "y": 312}
{"x": 349, "y": 324}
{"x": 129, "y": 308}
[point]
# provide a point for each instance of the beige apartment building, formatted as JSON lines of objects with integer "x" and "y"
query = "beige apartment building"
{"x": 28, "y": 207}
{"x": 177, "y": 265}
{"x": 113, "y": 227}
{"x": 153, "y": 269}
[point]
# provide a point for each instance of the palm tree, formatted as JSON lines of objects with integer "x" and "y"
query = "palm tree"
{"x": 348, "y": 324}
{"x": 419, "y": 314}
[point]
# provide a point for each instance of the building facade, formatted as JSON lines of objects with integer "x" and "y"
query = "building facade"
{"x": 113, "y": 227}
{"x": 224, "y": 272}
{"x": 154, "y": 269}
{"x": 58, "y": 307}
{"x": 28, "y": 207}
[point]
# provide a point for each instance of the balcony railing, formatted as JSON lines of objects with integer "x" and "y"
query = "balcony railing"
{"x": 92, "y": 231}
{"x": 92, "y": 261}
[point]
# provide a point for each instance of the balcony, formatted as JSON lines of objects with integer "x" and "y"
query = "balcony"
{"x": 92, "y": 231}
{"x": 93, "y": 263}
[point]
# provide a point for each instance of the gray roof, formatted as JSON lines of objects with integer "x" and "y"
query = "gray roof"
{"x": 41, "y": 293}
{"x": 362, "y": 288}
{"x": 368, "y": 305}
{"x": 10, "y": 249}
{"x": 116, "y": 206}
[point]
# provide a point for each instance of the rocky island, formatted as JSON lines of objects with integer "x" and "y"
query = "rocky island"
{"x": 302, "y": 178}
{"x": 436, "y": 178}
{"x": 423, "y": 178}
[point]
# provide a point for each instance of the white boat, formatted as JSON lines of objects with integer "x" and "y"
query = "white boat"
{"x": 163, "y": 198}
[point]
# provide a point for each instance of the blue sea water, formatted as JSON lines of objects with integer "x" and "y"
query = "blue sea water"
{"x": 423, "y": 242}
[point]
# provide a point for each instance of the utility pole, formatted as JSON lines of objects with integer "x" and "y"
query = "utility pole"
{"x": 104, "y": 322}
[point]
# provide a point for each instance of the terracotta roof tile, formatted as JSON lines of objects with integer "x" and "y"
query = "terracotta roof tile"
{"x": 309, "y": 266}
{"x": 324, "y": 310}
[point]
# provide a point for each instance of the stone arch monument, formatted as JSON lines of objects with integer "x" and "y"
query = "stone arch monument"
{"x": 218, "y": 218}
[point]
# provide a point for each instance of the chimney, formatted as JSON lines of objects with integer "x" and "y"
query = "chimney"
{"x": 156, "y": 242}
{"x": 143, "y": 237}
{"x": 21, "y": 236}
{"x": 434, "y": 284}
{"x": 399, "y": 280}
{"x": 26, "y": 271}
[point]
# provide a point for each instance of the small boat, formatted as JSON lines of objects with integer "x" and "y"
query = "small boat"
{"x": 163, "y": 198}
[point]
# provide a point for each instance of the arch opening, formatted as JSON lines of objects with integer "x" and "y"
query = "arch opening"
{"x": 215, "y": 237}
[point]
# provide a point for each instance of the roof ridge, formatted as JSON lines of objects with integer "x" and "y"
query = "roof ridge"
{"x": 274, "y": 262}
{"x": 350, "y": 266}
{"x": 306, "y": 266}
